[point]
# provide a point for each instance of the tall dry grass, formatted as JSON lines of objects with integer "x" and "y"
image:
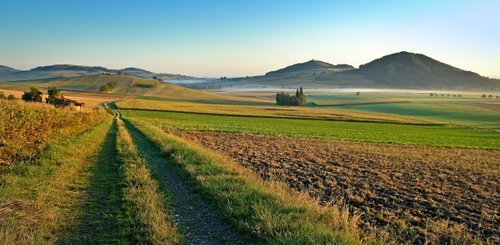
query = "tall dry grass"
{"x": 26, "y": 128}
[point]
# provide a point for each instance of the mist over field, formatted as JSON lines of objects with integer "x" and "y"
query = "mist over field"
{"x": 249, "y": 122}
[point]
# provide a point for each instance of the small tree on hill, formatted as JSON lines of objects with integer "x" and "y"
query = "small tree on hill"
{"x": 483, "y": 96}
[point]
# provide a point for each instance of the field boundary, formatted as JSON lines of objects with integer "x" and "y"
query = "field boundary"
{"x": 347, "y": 103}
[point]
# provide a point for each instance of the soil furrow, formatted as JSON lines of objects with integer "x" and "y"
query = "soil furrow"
{"x": 416, "y": 192}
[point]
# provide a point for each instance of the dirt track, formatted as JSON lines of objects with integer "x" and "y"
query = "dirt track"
{"x": 409, "y": 190}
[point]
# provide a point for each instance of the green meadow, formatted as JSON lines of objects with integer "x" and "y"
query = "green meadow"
{"x": 358, "y": 131}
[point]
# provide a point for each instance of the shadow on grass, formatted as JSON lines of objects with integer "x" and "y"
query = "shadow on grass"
{"x": 102, "y": 218}
{"x": 197, "y": 219}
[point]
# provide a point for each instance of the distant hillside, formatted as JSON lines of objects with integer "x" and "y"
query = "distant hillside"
{"x": 399, "y": 70}
{"x": 125, "y": 84}
{"x": 410, "y": 70}
{"x": 137, "y": 72}
{"x": 55, "y": 71}
{"x": 6, "y": 69}
{"x": 312, "y": 65}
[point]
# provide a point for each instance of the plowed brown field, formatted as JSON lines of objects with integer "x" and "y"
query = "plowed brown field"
{"x": 416, "y": 193}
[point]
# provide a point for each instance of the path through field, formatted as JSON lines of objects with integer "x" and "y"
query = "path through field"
{"x": 197, "y": 220}
{"x": 102, "y": 215}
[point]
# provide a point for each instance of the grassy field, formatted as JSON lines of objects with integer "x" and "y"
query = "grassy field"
{"x": 469, "y": 110}
{"x": 262, "y": 111}
{"x": 358, "y": 131}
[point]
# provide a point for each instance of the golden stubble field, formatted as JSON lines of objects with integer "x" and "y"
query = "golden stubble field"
{"x": 416, "y": 193}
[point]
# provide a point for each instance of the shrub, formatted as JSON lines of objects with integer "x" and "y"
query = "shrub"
{"x": 11, "y": 97}
{"x": 108, "y": 86}
{"x": 34, "y": 95}
{"x": 2, "y": 95}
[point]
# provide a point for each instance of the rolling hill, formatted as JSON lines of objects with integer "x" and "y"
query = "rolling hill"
{"x": 6, "y": 69}
{"x": 92, "y": 83}
{"x": 311, "y": 66}
{"x": 410, "y": 70}
{"x": 401, "y": 70}
{"x": 61, "y": 71}
{"x": 130, "y": 85}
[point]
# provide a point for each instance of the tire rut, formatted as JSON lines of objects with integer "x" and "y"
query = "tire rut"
{"x": 101, "y": 220}
{"x": 197, "y": 220}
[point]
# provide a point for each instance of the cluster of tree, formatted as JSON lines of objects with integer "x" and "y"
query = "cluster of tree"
{"x": 442, "y": 95}
{"x": 3, "y": 97}
{"x": 284, "y": 98}
{"x": 34, "y": 95}
{"x": 108, "y": 86}
{"x": 489, "y": 96}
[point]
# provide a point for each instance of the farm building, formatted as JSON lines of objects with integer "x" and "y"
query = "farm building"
{"x": 65, "y": 102}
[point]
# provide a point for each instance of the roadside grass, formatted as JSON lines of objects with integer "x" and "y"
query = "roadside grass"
{"x": 35, "y": 195}
{"x": 446, "y": 136}
{"x": 143, "y": 199}
{"x": 267, "y": 210}
{"x": 296, "y": 112}
{"x": 26, "y": 128}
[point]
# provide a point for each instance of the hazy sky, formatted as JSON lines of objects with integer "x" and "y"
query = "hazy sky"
{"x": 238, "y": 38}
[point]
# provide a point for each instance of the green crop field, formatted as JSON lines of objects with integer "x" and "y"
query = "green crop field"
{"x": 469, "y": 110}
{"x": 359, "y": 131}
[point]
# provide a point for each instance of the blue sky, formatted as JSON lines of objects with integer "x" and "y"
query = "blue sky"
{"x": 239, "y": 38}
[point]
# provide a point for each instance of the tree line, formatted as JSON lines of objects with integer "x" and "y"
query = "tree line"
{"x": 284, "y": 98}
{"x": 35, "y": 95}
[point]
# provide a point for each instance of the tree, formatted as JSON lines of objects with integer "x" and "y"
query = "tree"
{"x": 54, "y": 93}
{"x": 11, "y": 97}
{"x": 431, "y": 94}
{"x": 2, "y": 95}
{"x": 34, "y": 95}
{"x": 483, "y": 96}
{"x": 357, "y": 93}
{"x": 490, "y": 96}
